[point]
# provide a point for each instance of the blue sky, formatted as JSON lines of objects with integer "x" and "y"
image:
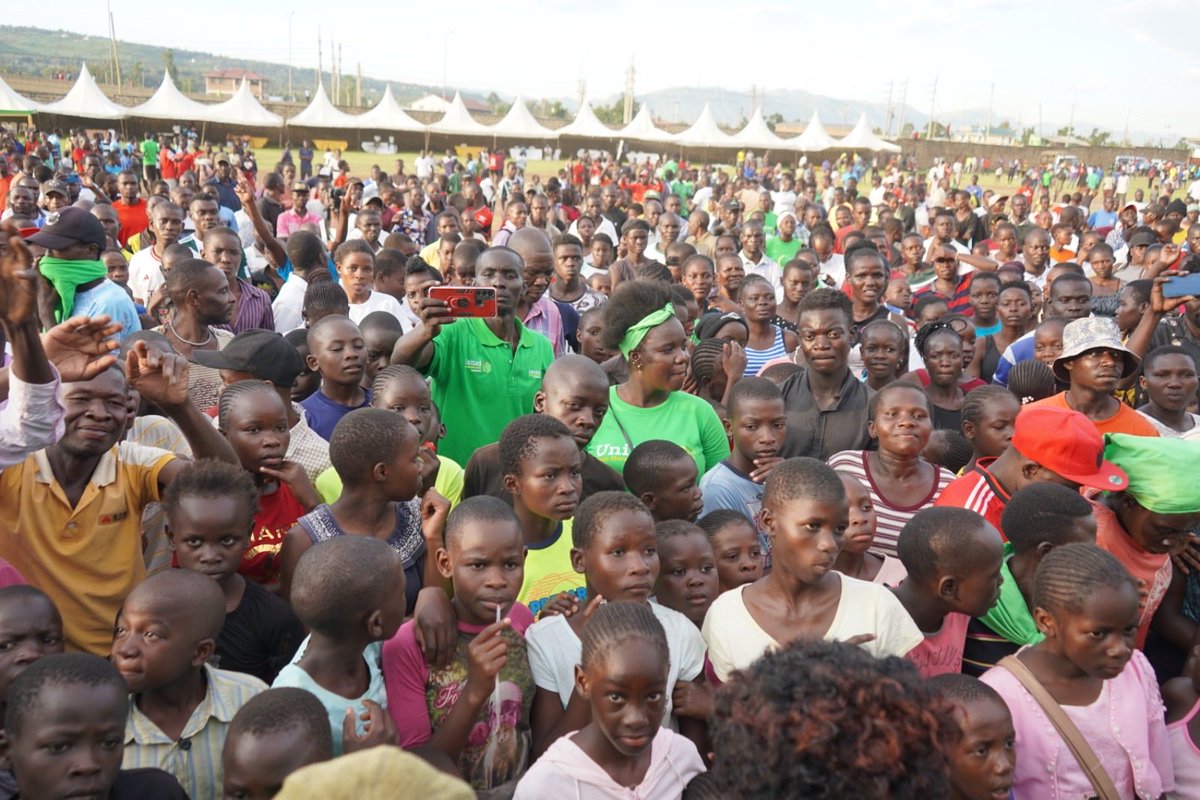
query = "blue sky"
{"x": 1090, "y": 55}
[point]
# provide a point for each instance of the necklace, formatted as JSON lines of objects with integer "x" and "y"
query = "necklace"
{"x": 175, "y": 333}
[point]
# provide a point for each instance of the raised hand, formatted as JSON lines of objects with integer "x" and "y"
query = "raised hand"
{"x": 82, "y": 347}
{"x": 18, "y": 284}
{"x": 162, "y": 378}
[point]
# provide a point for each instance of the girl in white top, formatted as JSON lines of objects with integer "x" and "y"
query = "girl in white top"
{"x": 805, "y": 514}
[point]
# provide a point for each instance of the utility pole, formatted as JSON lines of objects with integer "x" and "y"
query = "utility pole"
{"x": 903, "y": 107}
{"x": 341, "y": 70}
{"x": 1071, "y": 124}
{"x": 991, "y": 102}
{"x": 1125, "y": 135}
{"x": 582, "y": 92}
{"x": 320, "y": 60}
{"x": 290, "y": 15}
{"x": 112, "y": 38}
{"x": 627, "y": 111}
{"x": 887, "y": 124}
{"x": 932, "y": 106}
{"x": 358, "y": 86}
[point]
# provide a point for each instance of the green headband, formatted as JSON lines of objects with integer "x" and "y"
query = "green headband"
{"x": 633, "y": 337}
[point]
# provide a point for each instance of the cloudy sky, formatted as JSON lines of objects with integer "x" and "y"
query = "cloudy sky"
{"x": 1114, "y": 61}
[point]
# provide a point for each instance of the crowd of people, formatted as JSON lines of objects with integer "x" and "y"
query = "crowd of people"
{"x": 744, "y": 483}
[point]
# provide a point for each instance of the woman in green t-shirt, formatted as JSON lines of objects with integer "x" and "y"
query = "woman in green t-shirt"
{"x": 640, "y": 321}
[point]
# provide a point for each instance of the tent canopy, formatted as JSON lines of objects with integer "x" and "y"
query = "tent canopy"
{"x": 11, "y": 102}
{"x": 388, "y": 115}
{"x": 321, "y": 113}
{"x": 457, "y": 121}
{"x": 243, "y": 109}
{"x": 170, "y": 103}
{"x": 86, "y": 100}
{"x": 587, "y": 125}
{"x": 642, "y": 128}
{"x": 863, "y": 138}
{"x": 756, "y": 134}
{"x": 814, "y": 139}
{"x": 518, "y": 123}
{"x": 704, "y": 132}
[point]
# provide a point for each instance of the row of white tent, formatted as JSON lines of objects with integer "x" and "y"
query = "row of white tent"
{"x": 85, "y": 99}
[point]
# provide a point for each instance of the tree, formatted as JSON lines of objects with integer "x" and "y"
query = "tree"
{"x": 614, "y": 114}
{"x": 1026, "y": 135}
{"x": 774, "y": 120}
{"x": 1066, "y": 130}
{"x": 1098, "y": 138}
{"x": 168, "y": 57}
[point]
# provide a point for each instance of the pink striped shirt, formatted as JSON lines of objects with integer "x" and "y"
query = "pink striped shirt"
{"x": 544, "y": 318}
{"x": 890, "y": 518}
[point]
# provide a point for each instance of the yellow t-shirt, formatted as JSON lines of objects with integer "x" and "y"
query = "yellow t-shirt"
{"x": 548, "y": 572}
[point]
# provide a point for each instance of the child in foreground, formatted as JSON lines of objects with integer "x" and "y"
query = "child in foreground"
{"x": 349, "y": 592}
{"x": 337, "y": 351}
{"x": 953, "y": 559}
{"x": 76, "y": 702}
{"x": 855, "y": 558}
{"x": 736, "y": 546}
{"x": 616, "y": 550}
{"x": 1182, "y": 696}
{"x": 210, "y": 514}
{"x": 623, "y": 751}
{"x": 657, "y": 472}
{"x": 476, "y": 710}
{"x": 179, "y": 705}
{"x": 981, "y": 758}
{"x": 805, "y": 515}
{"x": 1086, "y": 606}
{"x": 272, "y": 736}
{"x": 687, "y": 576}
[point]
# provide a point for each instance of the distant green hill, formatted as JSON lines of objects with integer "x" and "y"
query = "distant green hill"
{"x": 37, "y": 52}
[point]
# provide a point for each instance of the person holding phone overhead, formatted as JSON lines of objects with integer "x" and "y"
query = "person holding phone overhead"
{"x": 485, "y": 371}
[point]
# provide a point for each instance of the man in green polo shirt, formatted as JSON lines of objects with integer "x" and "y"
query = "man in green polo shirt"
{"x": 483, "y": 372}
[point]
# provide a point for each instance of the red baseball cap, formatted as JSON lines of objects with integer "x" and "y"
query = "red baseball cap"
{"x": 1067, "y": 443}
{"x": 483, "y": 218}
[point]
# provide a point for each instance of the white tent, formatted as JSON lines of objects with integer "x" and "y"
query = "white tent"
{"x": 518, "y": 123}
{"x": 459, "y": 122}
{"x": 388, "y": 115}
{"x": 814, "y": 139}
{"x": 642, "y": 128}
{"x": 704, "y": 133}
{"x": 86, "y": 100}
{"x": 863, "y": 138}
{"x": 756, "y": 134}
{"x": 13, "y": 102}
{"x": 170, "y": 103}
{"x": 587, "y": 125}
{"x": 320, "y": 113}
{"x": 243, "y": 109}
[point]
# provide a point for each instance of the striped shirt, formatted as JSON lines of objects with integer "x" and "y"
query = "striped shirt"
{"x": 306, "y": 447}
{"x": 890, "y": 518}
{"x": 757, "y": 359}
{"x": 195, "y": 757}
{"x": 543, "y": 317}
{"x": 978, "y": 491}
{"x": 253, "y": 310}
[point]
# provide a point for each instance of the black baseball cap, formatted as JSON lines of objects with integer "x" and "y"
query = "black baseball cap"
{"x": 69, "y": 227}
{"x": 264, "y": 354}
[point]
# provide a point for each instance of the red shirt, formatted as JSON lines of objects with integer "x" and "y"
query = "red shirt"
{"x": 978, "y": 491}
{"x": 277, "y": 513}
{"x": 166, "y": 164}
{"x": 5, "y": 184}
{"x": 133, "y": 219}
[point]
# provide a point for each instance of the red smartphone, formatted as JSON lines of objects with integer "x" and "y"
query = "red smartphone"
{"x": 467, "y": 301}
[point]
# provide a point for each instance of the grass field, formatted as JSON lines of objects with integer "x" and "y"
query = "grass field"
{"x": 361, "y": 163}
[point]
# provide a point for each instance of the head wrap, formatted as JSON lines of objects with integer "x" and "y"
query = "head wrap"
{"x": 633, "y": 337}
{"x": 1159, "y": 471}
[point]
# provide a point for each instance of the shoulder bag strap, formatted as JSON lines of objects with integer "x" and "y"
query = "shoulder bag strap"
{"x": 1088, "y": 761}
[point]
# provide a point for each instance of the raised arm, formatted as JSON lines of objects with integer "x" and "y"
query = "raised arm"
{"x": 246, "y": 195}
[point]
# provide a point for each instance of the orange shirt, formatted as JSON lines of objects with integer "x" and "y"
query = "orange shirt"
{"x": 1126, "y": 420}
{"x": 1153, "y": 570}
{"x": 133, "y": 219}
{"x": 1060, "y": 254}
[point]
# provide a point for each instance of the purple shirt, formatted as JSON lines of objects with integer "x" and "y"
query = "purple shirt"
{"x": 253, "y": 310}
{"x": 324, "y": 414}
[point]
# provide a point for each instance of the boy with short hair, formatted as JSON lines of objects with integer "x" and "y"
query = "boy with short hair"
{"x": 349, "y": 592}
{"x": 757, "y": 425}
{"x": 179, "y": 705}
{"x": 337, "y": 351}
{"x": 953, "y": 557}
{"x": 575, "y": 392}
{"x": 591, "y": 330}
{"x": 663, "y": 476}
{"x": 272, "y": 736}
{"x": 981, "y": 761}
{"x": 210, "y": 511}
{"x": 476, "y": 710}
{"x": 77, "y": 701}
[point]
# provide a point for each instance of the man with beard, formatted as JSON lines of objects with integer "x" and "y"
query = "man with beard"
{"x": 485, "y": 371}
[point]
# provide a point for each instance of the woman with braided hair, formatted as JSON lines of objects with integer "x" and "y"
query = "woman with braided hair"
{"x": 941, "y": 347}
{"x": 1086, "y": 606}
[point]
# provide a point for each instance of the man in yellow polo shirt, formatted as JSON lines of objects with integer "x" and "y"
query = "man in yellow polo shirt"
{"x": 74, "y": 527}
{"x": 484, "y": 372}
